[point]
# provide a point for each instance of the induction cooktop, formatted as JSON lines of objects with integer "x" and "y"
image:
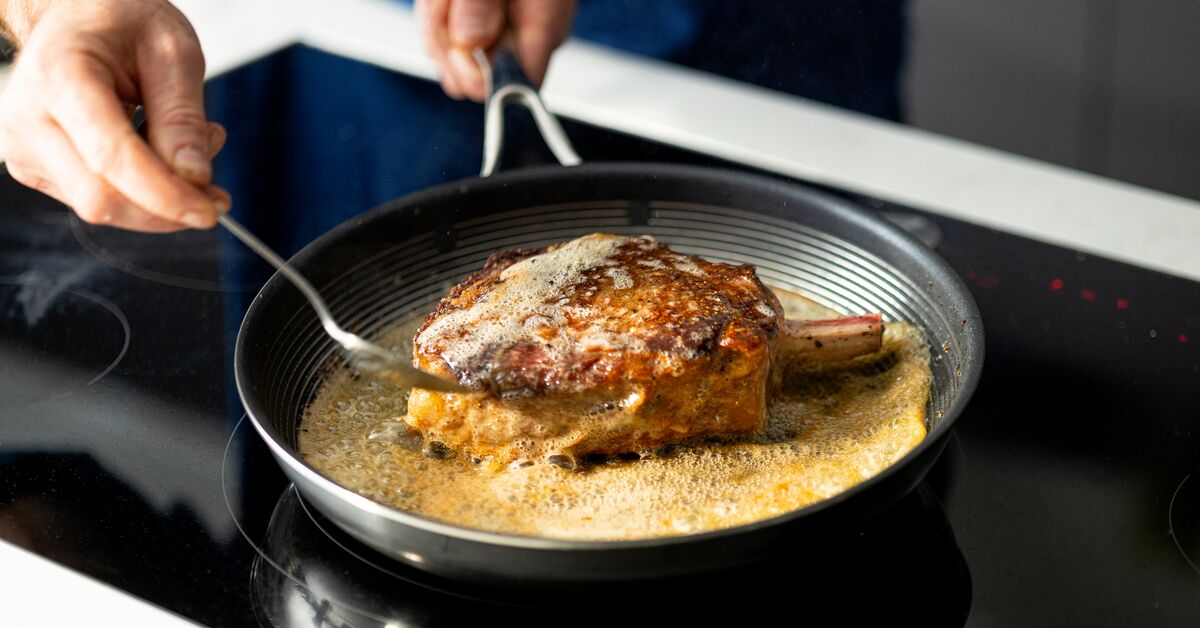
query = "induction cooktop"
{"x": 1068, "y": 494}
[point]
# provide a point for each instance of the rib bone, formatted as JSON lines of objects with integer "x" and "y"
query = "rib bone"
{"x": 830, "y": 340}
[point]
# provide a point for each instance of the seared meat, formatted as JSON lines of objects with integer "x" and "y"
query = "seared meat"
{"x": 609, "y": 344}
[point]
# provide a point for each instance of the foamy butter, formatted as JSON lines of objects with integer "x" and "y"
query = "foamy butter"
{"x": 527, "y": 304}
{"x": 828, "y": 431}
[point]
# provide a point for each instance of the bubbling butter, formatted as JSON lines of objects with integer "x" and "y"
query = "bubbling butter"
{"x": 526, "y": 302}
{"x": 828, "y": 430}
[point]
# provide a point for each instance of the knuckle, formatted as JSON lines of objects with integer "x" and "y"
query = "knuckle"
{"x": 182, "y": 115}
{"x": 173, "y": 46}
{"x": 477, "y": 7}
{"x": 43, "y": 185}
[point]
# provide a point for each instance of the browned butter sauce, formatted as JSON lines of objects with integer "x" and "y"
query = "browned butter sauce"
{"x": 826, "y": 432}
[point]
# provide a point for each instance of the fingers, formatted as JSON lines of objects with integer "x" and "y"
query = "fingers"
{"x": 466, "y": 73}
{"x": 540, "y": 27}
{"x": 171, "y": 69}
{"x": 452, "y": 29}
{"x": 472, "y": 24}
{"x": 64, "y": 130}
{"x": 475, "y": 23}
{"x": 432, "y": 16}
{"x": 93, "y": 199}
{"x": 92, "y": 117}
{"x": 216, "y": 138}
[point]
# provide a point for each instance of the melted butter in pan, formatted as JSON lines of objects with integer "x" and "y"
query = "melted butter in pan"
{"x": 828, "y": 431}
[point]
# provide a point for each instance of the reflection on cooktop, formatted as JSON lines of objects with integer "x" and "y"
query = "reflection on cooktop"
{"x": 55, "y": 338}
{"x": 309, "y": 573}
{"x": 199, "y": 260}
{"x": 1183, "y": 517}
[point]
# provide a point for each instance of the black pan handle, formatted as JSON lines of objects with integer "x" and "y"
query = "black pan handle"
{"x": 506, "y": 82}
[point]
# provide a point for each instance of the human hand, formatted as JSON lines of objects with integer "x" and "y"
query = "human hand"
{"x": 453, "y": 28}
{"x": 64, "y": 113}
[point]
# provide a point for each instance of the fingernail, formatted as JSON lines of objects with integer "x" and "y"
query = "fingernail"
{"x": 216, "y": 140}
{"x": 198, "y": 220}
{"x": 220, "y": 200}
{"x": 190, "y": 163}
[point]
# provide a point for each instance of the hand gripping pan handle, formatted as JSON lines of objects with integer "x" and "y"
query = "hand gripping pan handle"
{"x": 507, "y": 82}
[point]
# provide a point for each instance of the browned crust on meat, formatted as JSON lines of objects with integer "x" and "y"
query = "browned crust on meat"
{"x": 664, "y": 333}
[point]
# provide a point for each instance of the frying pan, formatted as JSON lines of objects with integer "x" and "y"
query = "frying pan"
{"x": 396, "y": 261}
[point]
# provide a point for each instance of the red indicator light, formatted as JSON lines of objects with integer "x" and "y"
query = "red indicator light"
{"x": 1056, "y": 285}
{"x": 1122, "y": 304}
{"x": 1182, "y": 337}
{"x": 1087, "y": 295}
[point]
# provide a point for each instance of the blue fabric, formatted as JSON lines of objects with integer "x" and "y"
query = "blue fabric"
{"x": 320, "y": 139}
{"x": 655, "y": 28}
{"x": 661, "y": 29}
{"x": 847, "y": 53}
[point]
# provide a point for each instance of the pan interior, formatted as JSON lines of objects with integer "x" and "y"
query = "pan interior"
{"x": 389, "y": 285}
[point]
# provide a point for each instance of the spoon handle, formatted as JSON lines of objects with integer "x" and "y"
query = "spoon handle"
{"x": 298, "y": 280}
{"x": 365, "y": 355}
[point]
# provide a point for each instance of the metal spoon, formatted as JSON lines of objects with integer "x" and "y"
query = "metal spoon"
{"x": 365, "y": 356}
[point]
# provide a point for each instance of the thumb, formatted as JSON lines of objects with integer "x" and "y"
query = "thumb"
{"x": 475, "y": 23}
{"x": 171, "y": 77}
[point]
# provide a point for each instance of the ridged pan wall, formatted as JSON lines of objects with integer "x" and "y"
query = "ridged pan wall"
{"x": 393, "y": 264}
{"x": 407, "y": 281}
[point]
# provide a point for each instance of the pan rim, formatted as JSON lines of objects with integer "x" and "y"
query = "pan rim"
{"x": 286, "y": 455}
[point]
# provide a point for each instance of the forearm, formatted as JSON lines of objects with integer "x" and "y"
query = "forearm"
{"x": 17, "y": 18}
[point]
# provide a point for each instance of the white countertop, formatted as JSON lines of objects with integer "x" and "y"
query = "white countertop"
{"x": 762, "y": 128}
{"x": 769, "y": 130}
{"x": 758, "y": 127}
{"x": 35, "y": 592}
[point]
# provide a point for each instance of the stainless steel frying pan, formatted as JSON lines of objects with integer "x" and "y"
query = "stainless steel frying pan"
{"x": 396, "y": 261}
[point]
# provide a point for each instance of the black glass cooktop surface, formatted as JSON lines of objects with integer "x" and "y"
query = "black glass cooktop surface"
{"x": 1068, "y": 494}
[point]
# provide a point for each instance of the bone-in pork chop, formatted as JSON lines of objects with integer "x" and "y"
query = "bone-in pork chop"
{"x": 609, "y": 344}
